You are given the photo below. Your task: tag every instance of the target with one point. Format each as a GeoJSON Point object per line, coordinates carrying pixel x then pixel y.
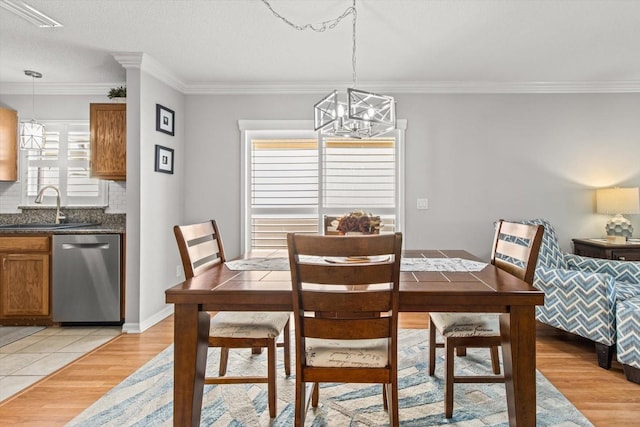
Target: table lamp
{"type": "Point", "coordinates": [618, 201]}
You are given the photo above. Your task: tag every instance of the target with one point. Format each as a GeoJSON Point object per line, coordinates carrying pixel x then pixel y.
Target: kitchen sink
{"type": "Point", "coordinates": [44, 226]}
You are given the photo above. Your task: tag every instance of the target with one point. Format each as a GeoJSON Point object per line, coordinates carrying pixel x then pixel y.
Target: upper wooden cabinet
{"type": "Point", "coordinates": [108, 141]}
{"type": "Point", "coordinates": [8, 145]}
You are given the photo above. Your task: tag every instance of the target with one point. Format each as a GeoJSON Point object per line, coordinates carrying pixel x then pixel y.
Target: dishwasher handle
{"type": "Point", "coordinates": [85, 246]}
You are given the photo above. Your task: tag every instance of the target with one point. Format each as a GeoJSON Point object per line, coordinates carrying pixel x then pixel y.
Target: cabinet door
{"type": "Point", "coordinates": [24, 285]}
{"type": "Point", "coordinates": [8, 145]}
{"type": "Point", "coordinates": [108, 123]}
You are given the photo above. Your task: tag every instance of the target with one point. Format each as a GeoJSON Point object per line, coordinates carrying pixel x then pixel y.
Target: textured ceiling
{"type": "Point", "coordinates": [399, 42]}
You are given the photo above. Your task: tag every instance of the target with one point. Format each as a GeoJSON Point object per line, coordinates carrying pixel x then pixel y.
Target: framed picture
{"type": "Point", "coordinates": [164, 120]}
{"type": "Point", "coordinates": [164, 159]}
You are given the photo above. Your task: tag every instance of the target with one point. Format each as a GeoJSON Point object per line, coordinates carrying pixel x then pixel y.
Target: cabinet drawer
{"type": "Point", "coordinates": [25, 244]}
{"type": "Point", "coordinates": [626, 255]}
{"type": "Point", "coordinates": [589, 251]}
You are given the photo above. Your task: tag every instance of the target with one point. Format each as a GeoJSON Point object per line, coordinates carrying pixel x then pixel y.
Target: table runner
{"type": "Point", "coordinates": [407, 264]}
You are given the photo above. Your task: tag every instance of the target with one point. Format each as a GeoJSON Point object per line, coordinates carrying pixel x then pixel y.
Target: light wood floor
{"type": "Point", "coordinates": [604, 397]}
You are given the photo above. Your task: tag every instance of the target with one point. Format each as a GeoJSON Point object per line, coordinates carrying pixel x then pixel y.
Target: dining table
{"type": "Point", "coordinates": [430, 281]}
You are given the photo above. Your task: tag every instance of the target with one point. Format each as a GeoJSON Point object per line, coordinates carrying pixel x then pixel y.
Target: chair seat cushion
{"type": "Point", "coordinates": [248, 324]}
{"type": "Point", "coordinates": [466, 324]}
{"type": "Point", "coordinates": [370, 353]}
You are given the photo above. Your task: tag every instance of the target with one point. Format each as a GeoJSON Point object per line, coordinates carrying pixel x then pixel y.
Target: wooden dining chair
{"type": "Point", "coordinates": [201, 248]}
{"type": "Point", "coordinates": [515, 250]}
{"type": "Point", "coordinates": [345, 309]}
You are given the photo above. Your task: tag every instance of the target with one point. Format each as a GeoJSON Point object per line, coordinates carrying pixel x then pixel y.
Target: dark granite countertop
{"type": "Point", "coordinates": [90, 229]}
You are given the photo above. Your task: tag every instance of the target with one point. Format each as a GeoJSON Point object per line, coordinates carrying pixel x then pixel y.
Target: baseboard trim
{"type": "Point", "coordinates": [138, 328]}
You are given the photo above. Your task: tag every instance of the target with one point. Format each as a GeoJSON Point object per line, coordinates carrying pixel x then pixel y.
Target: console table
{"type": "Point", "coordinates": [600, 248]}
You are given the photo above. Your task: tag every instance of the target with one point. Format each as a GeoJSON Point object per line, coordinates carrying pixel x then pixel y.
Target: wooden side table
{"type": "Point", "coordinates": [600, 248]}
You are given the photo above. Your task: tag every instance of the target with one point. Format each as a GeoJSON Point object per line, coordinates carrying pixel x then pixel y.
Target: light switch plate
{"type": "Point", "coordinates": [423, 204]}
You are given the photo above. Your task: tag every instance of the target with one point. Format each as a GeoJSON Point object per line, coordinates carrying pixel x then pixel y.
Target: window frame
{"type": "Point", "coordinates": [257, 129]}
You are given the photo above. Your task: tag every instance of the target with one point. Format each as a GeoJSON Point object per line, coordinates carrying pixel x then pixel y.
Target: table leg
{"type": "Point", "coordinates": [518, 332]}
{"type": "Point", "coordinates": [191, 332]}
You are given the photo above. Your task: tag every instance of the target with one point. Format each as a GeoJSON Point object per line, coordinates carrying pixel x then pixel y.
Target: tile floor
{"type": "Point", "coordinates": [30, 359]}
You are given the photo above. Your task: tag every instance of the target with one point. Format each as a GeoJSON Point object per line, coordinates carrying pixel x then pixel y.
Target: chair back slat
{"type": "Point", "coordinates": [344, 246]}
{"type": "Point", "coordinates": [200, 247]}
{"type": "Point", "coordinates": [348, 300]}
{"type": "Point", "coordinates": [347, 274]}
{"type": "Point", "coordinates": [516, 247]}
{"type": "Point", "coordinates": [347, 328]}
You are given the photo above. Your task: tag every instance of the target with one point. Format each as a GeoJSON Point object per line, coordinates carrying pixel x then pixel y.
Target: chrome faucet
{"type": "Point", "coordinates": [59, 216]}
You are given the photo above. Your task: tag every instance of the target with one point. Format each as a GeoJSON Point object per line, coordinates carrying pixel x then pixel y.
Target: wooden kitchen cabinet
{"type": "Point", "coordinates": [25, 280]}
{"type": "Point", "coordinates": [8, 145]}
{"type": "Point", "coordinates": [108, 125]}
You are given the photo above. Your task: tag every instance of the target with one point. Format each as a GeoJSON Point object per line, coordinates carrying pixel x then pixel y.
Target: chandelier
{"type": "Point", "coordinates": [359, 114]}
{"type": "Point", "coordinates": [32, 132]}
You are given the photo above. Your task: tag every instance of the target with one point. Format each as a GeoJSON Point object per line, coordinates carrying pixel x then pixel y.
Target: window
{"type": "Point", "coordinates": [293, 179]}
{"type": "Point", "coordinates": [64, 163]}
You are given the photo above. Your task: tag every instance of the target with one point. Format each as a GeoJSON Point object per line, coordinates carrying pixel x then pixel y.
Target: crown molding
{"type": "Point", "coordinates": [58, 88]}
{"type": "Point", "coordinates": [149, 65]}
{"type": "Point", "coordinates": [442, 87]}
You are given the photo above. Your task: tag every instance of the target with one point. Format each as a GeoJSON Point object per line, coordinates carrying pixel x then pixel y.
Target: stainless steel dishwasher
{"type": "Point", "coordinates": [86, 278]}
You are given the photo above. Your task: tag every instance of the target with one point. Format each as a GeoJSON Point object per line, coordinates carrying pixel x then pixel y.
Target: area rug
{"type": "Point", "coordinates": [9, 334]}
{"type": "Point", "coordinates": [145, 398]}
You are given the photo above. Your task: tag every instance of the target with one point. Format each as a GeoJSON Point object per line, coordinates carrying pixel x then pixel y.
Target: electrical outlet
{"type": "Point", "coordinates": [178, 270]}
{"type": "Point", "coordinates": [422, 204]}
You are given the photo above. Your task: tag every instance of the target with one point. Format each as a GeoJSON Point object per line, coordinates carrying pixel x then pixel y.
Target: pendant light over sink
{"type": "Point", "coordinates": [32, 132]}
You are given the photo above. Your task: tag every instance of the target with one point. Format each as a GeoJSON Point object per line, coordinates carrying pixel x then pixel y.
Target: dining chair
{"type": "Point", "coordinates": [201, 249]}
{"type": "Point", "coordinates": [345, 309]}
{"type": "Point", "coordinates": [515, 250]}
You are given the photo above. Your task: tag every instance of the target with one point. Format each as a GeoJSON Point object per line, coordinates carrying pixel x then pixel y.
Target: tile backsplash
{"type": "Point", "coordinates": [11, 197]}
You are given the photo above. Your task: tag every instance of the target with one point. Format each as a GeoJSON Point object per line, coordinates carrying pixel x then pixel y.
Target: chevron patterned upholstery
{"type": "Point", "coordinates": [581, 293]}
{"type": "Point", "coordinates": [628, 320]}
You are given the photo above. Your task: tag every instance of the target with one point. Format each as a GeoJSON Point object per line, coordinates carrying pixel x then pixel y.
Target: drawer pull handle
{"type": "Point", "coordinates": [85, 246]}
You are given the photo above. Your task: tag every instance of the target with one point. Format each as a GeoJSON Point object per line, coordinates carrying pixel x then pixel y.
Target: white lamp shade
{"type": "Point", "coordinates": [618, 200]}
{"type": "Point", "coordinates": [31, 135]}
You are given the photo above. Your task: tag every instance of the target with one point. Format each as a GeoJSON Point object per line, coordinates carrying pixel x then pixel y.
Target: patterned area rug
{"type": "Point", "coordinates": [145, 398]}
{"type": "Point", "coordinates": [9, 334]}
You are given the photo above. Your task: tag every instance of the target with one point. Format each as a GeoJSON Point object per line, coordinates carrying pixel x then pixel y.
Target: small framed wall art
{"type": "Point", "coordinates": [165, 120]}
{"type": "Point", "coordinates": [164, 159]}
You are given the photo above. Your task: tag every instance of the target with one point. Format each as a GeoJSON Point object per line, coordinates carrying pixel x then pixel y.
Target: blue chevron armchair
{"type": "Point", "coordinates": [628, 345]}
{"type": "Point", "coordinates": [581, 292]}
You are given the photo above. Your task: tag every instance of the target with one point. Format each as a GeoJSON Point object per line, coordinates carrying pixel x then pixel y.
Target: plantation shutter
{"type": "Point", "coordinates": [63, 162]}
{"type": "Point", "coordinates": [284, 190]}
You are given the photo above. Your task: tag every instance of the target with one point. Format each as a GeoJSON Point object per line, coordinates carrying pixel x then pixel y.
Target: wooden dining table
{"type": "Point", "coordinates": [487, 290]}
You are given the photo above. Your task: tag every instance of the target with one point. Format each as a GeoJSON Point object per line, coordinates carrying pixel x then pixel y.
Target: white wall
{"type": "Point", "coordinates": [477, 158]}
{"type": "Point", "coordinates": [154, 200]}
{"type": "Point", "coordinates": [161, 197]}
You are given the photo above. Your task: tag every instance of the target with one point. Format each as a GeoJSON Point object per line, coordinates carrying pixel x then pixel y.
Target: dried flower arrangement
{"type": "Point", "coordinates": [359, 221]}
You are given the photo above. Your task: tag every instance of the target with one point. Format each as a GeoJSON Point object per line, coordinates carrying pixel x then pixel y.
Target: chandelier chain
{"type": "Point", "coordinates": [33, 98]}
{"type": "Point", "coordinates": [326, 25]}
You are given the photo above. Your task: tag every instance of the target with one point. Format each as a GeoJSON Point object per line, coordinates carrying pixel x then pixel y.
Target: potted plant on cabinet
{"type": "Point", "coordinates": [118, 94]}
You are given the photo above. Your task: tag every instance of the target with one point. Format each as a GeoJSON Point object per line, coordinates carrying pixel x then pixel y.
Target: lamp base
{"type": "Point", "coordinates": [619, 226]}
